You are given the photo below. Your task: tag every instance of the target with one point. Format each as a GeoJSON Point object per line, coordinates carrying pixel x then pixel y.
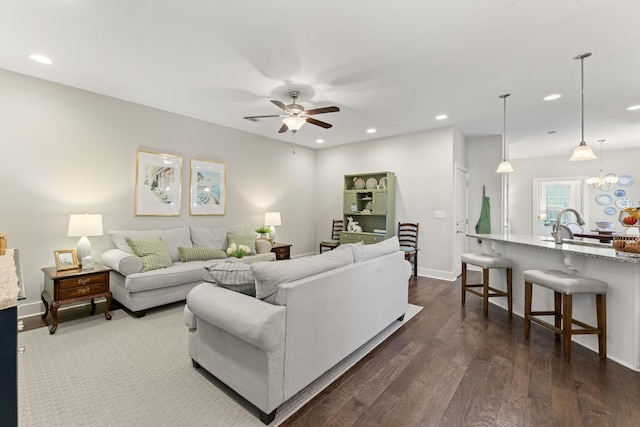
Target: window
{"type": "Point", "coordinates": [550, 196]}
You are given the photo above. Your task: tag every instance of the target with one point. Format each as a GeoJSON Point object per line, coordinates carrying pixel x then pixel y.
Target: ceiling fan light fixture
{"type": "Point", "coordinates": [294, 123]}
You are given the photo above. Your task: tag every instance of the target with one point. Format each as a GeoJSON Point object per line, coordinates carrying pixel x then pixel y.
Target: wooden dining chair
{"type": "Point", "coordinates": [334, 242]}
{"type": "Point", "coordinates": [408, 237]}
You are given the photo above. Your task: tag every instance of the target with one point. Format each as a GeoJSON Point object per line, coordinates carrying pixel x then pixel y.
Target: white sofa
{"type": "Point", "coordinates": [321, 309]}
{"type": "Point", "coordinates": [139, 290]}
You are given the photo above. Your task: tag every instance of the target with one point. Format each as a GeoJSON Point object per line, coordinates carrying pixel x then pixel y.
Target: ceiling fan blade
{"type": "Point", "coordinates": [283, 129]}
{"type": "Point", "coordinates": [254, 118]}
{"type": "Point", "coordinates": [332, 109]}
{"type": "Point", "coordinates": [280, 105]}
{"type": "Point", "coordinates": [318, 123]}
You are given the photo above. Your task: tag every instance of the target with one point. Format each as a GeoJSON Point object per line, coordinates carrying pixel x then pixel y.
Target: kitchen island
{"type": "Point", "coordinates": [598, 261]}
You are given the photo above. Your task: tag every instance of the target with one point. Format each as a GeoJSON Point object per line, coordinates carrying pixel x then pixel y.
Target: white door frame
{"type": "Point", "coordinates": [461, 216]}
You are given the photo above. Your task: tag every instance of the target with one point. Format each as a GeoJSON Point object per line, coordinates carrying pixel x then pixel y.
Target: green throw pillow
{"type": "Point", "coordinates": [200, 254]}
{"type": "Point", "coordinates": [239, 239]}
{"type": "Point", "coordinates": [235, 276]}
{"type": "Point", "coordinates": [153, 253]}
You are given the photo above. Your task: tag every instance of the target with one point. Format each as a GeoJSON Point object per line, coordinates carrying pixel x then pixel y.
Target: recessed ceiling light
{"type": "Point", "coordinates": [371, 130]}
{"type": "Point", "coordinates": [634, 107]}
{"type": "Point", "coordinates": [319, 141]}
{"type": "Point", "coordinates": [551, 132]}
{"type": "Point", "coordinates": [41, 59]}
{"type": "Point", "coordinates": [552, 97]}
{"type": "Point", "coordinates": [441, 117]}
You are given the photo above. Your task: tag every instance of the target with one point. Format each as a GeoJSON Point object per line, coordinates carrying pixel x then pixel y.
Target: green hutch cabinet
{"type": "Point", "coordinates": [369, 198]}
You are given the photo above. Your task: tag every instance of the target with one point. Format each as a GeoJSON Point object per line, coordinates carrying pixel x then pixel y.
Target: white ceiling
{"type": "Point", "coordinates": [389, 65]}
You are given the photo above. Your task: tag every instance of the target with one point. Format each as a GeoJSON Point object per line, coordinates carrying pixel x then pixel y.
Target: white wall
{"type": "Point", "coordinates": [423, 164]}
{"type": "Point", "coordinates": [70, 151]}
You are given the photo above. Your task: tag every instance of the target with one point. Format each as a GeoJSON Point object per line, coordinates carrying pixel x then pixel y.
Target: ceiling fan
{"type": "Point", "coordinates": [295, 115]}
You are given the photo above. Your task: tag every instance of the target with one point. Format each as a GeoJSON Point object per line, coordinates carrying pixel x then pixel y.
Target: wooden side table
{"type": "Point", "coordinates": [282, 250]}
{"type": "Point", "coordinates": [65, 287]}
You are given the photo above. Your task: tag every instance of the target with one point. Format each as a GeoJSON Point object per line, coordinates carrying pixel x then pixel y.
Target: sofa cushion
{"type": "Point", "coordinates": [173, 238]}
{"type": "Point", "coordinates": [200, 254]}
{"type": "Point", "coordinates": [153, 253]}
{"type": "Point", "coordinates": [240, 239]}
{"type": "Point", "coordinates": [235, 276]}
{"type": "Point", "coordinates": [269, 275]}
{"type": "Point", "coordinates": [213, 237]}
{"type": "Point", "coordinates": [365, 252]}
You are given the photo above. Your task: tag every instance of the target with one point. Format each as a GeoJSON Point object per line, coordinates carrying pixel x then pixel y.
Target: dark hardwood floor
{"type": "Point", "coordinates": [449, 366]}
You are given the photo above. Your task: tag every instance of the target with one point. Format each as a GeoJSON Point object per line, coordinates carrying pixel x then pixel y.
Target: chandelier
{"type": "Point", "coordinates": [602, 181]}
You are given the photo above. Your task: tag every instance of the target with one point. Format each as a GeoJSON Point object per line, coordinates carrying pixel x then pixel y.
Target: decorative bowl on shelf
{"type": "Point", "coordinates": [604, 225]}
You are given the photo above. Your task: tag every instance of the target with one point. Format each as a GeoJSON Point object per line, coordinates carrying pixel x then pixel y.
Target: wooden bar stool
{"type": "Point", "coordinates": [487, 261]}
{"type": "Point", "coordinates": [564, 286]}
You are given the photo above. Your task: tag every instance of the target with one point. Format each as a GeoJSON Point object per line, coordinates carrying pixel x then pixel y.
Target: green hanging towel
{"type": "Point", "coordinates": [483, 225]}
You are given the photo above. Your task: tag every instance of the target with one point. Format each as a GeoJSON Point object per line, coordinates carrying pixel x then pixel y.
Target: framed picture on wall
{"type": "Point", "coordinates": [66, 259]}
{"type": "Point", "coordinates": [157, 184]}
{"type": "Point", "coordinates": [208, 188]}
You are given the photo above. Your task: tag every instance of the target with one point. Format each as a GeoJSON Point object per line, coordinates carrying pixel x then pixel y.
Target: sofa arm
{"type": "Point", "coordinates": [123, 262]}
{"type": "Point", "coordinates": [256, 322]}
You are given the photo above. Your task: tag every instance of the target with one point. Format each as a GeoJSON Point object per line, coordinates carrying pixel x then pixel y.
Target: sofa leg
{"type": "Point", "coordinates": [267, 418]}
{"type": "Point", "coordinates": [401, 318]}
{"type": "Point", "coordinates": [140, 313]}
{"type": "Point", "coordinates": [195, 364]}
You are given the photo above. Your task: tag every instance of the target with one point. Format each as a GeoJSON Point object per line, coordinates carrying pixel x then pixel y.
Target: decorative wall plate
{"type": "Point", "coordinates": [359, 184]}
{"type": "Point", "coordinates": [620, 193]}
{"type": "Point", "coordinates": [604, 199]}
{"type": "Point", "coordinates": [610, 210]}
{"type": "Point", "coordinates": [371, 183]}
{"type": "Point", "coordinates": [623, 203]}
{"type": "Point", "coordinates": [625, 180]}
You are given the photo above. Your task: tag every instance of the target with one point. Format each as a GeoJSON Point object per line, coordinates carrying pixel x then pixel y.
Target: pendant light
{"type": "Point", "coordinates": [583, 151]}
{"type": "Point", "coordinates": [602, 181]}
{"type": "Point", "coordinates": [505, 166]}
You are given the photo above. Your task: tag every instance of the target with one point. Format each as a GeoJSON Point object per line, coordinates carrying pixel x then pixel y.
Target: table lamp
{"type": "Point", "coordinates": [84, 225]}
{"type": "Point", "coordinates": [271, 219]}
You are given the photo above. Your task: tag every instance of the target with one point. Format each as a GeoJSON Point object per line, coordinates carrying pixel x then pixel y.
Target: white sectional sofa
{"type": "Point", "coordinates": [309, 314]}
{"type": "Point", "coordinates": [139, 290]}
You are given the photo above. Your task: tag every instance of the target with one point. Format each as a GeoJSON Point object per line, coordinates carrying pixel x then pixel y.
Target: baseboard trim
{"type": "Point", "coordinates": [37, 309]}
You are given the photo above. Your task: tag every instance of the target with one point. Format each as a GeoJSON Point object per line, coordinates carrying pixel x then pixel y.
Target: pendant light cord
{"type": "Point", "coordinates": [504, 127]}
{"type": "Point", "coordinates": [581, 58]}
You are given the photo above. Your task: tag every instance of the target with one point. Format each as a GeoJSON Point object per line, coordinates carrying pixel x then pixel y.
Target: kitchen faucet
{"type": "Point", "coordinates": [557, 232]}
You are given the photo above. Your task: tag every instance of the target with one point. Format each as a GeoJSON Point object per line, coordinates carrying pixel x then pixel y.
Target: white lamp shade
{"type": "Point", "coordinates": [85, 225]}
{"type": "Point", "coordinates": [272, 218]}
{"type": "Point", "coordinates": [582, 152]}
{"type": "Point", "coordinates": [504, 167]}
{"type": "Point", "coordinates": [294, 123]}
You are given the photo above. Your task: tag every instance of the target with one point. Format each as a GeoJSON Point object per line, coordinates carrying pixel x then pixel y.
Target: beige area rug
{"type": "Point", "coordinates": [137, 372]}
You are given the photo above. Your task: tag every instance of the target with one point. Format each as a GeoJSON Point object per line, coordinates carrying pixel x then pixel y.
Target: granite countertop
{"type": "Point", "coordinates": [547, 243]}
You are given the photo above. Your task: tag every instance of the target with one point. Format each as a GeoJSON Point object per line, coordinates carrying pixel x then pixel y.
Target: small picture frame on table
{"type": "Point", "coordinates": [66, 259]}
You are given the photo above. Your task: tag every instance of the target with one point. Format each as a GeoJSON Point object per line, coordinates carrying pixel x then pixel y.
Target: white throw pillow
{"type": "Point", "coordinates": [213, 237]}
{"type": "Point", "coordinates": [172, 238]}
{"type": "Point", "coordinates": [365, 252]}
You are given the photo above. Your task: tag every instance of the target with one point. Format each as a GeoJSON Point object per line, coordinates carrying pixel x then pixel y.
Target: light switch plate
{"type": "Point", "coordinates": [439, 214]}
